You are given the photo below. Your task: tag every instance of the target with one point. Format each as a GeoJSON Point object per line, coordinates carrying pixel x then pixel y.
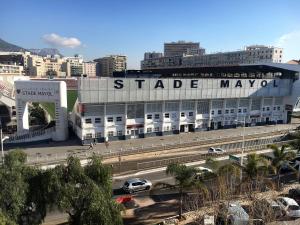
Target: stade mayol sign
{"type": "Point", "coordinates": [119, 84]}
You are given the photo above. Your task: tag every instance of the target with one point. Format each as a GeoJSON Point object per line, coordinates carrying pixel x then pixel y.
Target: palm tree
{"type": "Point", "coordinates": [281, 158]}
{"type": "Point", "coordinates": [256, 166]}
{"type": "Point", "coordinates": [184, 179]}
{"type": "Point", "coordinates": [296, 144]}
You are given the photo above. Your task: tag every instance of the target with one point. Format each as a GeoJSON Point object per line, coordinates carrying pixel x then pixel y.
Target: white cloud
{"type": "Point", "coordinates": [59, 41]}
{"type": "Point", "coordinates": [290, 43]}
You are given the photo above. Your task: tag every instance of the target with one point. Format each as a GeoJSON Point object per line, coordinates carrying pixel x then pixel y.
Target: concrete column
{"type": "Point", "coordinates": [272, 108]}
{"type": "Point", "coordinates": [145, 117]}
{"type": "Point", "coordinates": [249, 110]}
{"type": "Point", "coordinates": [125, 120]}
{"type": "Point", "coordinates": [261, 106]}
{"type": "Point", "coordinates": [209, 114]}
{"type": "Point", "coordinates": [195, 114]}
{"type": "Point", "coordinates": [179, 115]}
{"type": "Point", "coordinates": [163, 116]}
{"type": "Point", "coordinates": [105, 135]}
{"type": "Point", "coordinates": [22, 116]}
{"type": "Point", "coordinates": [223, 112]}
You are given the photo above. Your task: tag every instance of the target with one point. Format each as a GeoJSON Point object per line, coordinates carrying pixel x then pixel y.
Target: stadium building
{"type": "Point", "coordinates": [138, 104]}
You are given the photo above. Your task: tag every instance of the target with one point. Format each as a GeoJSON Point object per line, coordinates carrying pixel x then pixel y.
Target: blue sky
{"type": "Point", "coordinates": [133, 27]}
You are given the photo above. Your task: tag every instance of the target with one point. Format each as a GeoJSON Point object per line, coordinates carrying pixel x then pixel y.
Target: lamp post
{"type": "Point", "coordinates": [2, 139]}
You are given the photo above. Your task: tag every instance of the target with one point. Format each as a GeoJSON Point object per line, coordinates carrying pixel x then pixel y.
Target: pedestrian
{"type": "Point", "coordinates": [91, 146]}
{"type": "Point", "coordinates": [95, 141]}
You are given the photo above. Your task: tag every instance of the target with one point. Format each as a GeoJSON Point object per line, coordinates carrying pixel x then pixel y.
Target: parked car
{"type": "Point", "coordinates": [268, 210]}
{"type": "Point", "coordinates": [136, 184]}
{"type": "Point", "coordinates": [213, 150]}
{"type": "Point", "coordinates": [290, 206]}
{"type": "Point", "coordinates": [232, 213]}
{"type": "Point", "coordinates": [204, 169]}
{"type": "Point", "coordinates": [294, 193]}
{"type": "Point", "coordinates": [204, 174]}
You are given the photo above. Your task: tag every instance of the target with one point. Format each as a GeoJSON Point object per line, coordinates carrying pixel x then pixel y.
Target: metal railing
{"type": "Point", "coordinates": [32, 134]}
{"type": "Point", "coordinates": [231, 149]}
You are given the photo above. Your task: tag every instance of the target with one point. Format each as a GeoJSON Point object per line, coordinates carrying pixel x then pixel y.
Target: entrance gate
{"type": "Point", "coordinates": [42, 91]}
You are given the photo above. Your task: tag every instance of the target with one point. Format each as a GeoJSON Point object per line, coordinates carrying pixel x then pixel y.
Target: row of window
{"type": "Point", "coordinates": [274, 108]}
{"type": "Point", "coordinates": [98, 120]}
{"type": "Point", "coordinates": [167, 115]}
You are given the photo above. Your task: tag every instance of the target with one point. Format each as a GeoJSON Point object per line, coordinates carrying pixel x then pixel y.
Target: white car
{"type": "Point", "coordinates": [290, 206]}
{"type": "Point", "coordinates": [136, 184]}
{"type": "Point", "coordinates": [212, 150]}
{"type": "Point", "coordinates": [204, 169]}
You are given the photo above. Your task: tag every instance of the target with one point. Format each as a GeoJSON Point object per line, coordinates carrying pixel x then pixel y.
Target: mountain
{"type": "Point", "coordinates": [45, 51]}
{"type": "Point", "coordinates": [8, 47]}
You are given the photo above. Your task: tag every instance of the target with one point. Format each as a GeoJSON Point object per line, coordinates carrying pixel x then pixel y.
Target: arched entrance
{"type": "Point", "coordinates": [42, 91]}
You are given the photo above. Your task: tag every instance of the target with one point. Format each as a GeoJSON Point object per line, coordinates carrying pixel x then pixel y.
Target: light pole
{"type": "Point", "coordinates": [2, 139]}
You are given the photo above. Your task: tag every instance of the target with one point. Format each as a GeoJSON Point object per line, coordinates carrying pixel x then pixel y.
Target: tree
{"type": "Point", "coordinates": [86, 201]}
{"type": "Point", "coordinates": [296, 144]}
{"type": "Point", "coordinates": [22, 199]}
{"type": "Point", "coordinates": [281, 158]}
{"type": "Point", "coordinates": [255, 166]}
{"type": "Point", "coordinates": [184, 179]}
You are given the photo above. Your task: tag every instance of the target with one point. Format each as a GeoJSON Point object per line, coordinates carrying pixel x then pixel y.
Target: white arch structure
{"type": "Point", "coordinates": [42, 91]}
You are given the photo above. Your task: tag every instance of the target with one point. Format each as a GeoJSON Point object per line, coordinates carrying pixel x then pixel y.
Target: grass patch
{"type": "Point", "coordinates": [71, 98]}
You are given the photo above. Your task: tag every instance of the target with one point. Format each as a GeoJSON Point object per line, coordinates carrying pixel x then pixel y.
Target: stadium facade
{"type": "Point", "coordinates": [138, 104]}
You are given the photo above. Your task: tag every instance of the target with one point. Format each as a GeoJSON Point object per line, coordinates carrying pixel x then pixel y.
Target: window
{"type": "Point", "coordinates": [119, 119]}
{"type": "Point", "coordinates": [278, 107]}
{"type": "Point", "coordinates": [231, 110]}
{"type": "Point", "coordinates": [263, 108]}
{"type": "Point", "coordinates": [212, 112]}
{"type": "Point", "coordinates": [98, 135]}
{"type": "Point", "coordinates": [167, 128]}
{"type": "Point", "coordinates": [274, 108]}
{"type": "Point", "coordinates": [110, 119]}
{"type": "Point", "coordinates": [219, 111]}
{"type": "Point", "coordinates": [167, 115]}
{"type": "Point", "coordinates": [88, 120]}
{"type": "Point", "coordinates": [226, 111]}
{"type": "Point", "coordinates": [156, 116]}
{"type": "Point", "coordinates": [268, 108]}
{"type": "Point", "coordinates": [244, 110]}
{"type": "Point", "coordinates": [156, 129]}
{"type": "Point", "coordinates": [110, 133]}
{"type": "Point", "coordinates": [119, 133]}
{"type": "Point", "coordinates": [240, 110]}
{"type": "Point", "coordinates": [97, 120]}
{"type": "Point", "coordinates": [182, 114]}
{"type": "Point", "coordinates": [149, 130]}
{"type": "Point", "coordinates": [88, 136]}
{"type": "Point", "coordinates": [149, 116]}
{"type": "Point", "coordinates": [191, 114]}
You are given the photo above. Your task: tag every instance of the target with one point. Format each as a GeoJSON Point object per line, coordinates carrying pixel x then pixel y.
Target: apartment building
{"type": "Point", "coordinates": [73, 66]}
{"type": "Point", "coordinates": [250, 55]}
{"type": "Point", "coordinates": [109, 64]}
{"type": "Point", "coordinates": [90, 69]}
{"type": "Point", "coordinates": [181, 48]}
{"type": "Point", "coordinates": [7, 69]}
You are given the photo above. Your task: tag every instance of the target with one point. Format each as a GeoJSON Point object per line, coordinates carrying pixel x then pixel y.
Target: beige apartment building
{"type": "Point", "coordinates": [250, 55]}
{"type": "Point", "coordinates": [90, 69]}
{"type": "Point", "coordinates": [109, 64]}
{"type": "Point", "coordinates": [15, 70]}
{"type": "Point", "coordinates": [73, 66]}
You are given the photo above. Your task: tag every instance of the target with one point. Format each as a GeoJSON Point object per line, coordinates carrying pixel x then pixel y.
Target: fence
{"type": "Point", "coordinates": [44, 133]}
{"type": "Point", "coordinates": [231, 149]}
{"type": "Point", "coordinates": [83, 154]}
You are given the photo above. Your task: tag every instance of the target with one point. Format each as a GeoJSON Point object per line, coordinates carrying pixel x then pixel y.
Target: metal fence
{"type": "Point", "coordinates": [231, 149]}
{"type": "Point", "coordinates": [30, 135]}
{"type": "Point", "coordinates": [83, 154]}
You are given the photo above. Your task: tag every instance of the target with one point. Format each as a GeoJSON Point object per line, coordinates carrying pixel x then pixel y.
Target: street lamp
{"type": "Point", "coordinates": [2, 139]}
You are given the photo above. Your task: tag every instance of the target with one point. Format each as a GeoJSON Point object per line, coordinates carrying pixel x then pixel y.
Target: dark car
{"type": "Point", "coordinates": [294, 193]}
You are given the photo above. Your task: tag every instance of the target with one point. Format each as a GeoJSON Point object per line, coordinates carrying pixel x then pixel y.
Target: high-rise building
{"type": "Point", "coordinates": [90, 69]}
{"type": "Point", "coordinates": [111, 63]}
{"type": "Point", "coordinates": [181, 48]}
